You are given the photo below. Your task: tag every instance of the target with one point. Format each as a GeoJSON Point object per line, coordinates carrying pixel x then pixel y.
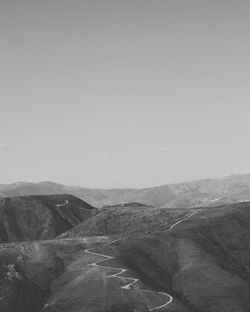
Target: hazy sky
{"type": "Point", "coordinates": [124, 93]}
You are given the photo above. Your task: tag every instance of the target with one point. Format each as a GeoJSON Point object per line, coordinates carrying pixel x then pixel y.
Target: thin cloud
{"type": "Point", "coordinates": [9, 148]}
{"type": "Point", "coordinates": [105, 154]}
{"type": "Point", "coordinates": [162, 150]}
{"type": "Point", "coordinates": [6, 148]}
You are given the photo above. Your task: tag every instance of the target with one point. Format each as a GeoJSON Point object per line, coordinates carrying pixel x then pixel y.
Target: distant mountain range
{"type": "Point", "coordinates": [207, 192]}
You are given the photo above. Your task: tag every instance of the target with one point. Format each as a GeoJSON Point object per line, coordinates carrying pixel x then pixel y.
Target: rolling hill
{"type": "Point", "coordinates": [40, 217]}
{"type": "Point", "coordinates": [207, 192]}
{"type": "Point", "coordinates": [135, 258]}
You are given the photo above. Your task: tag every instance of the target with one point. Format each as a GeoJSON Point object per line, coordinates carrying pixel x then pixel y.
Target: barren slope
{"type": "Point", "coordinates": [201, 261]}
{"type": "Point", "coordinates": [40, 217]}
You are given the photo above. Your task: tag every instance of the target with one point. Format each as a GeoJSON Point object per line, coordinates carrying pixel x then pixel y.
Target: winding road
{"type": "Point", "coordinates": [63, 204]}
{"type": "Point", "coordinates": [184, 219]}
{"type": "Point", "coordinates": [132, 281]}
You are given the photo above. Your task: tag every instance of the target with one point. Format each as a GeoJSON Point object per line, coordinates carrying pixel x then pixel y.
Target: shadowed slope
{"type": "Point", "coordinates": [203, 262]}
{"type": "Point", "coordinates": [198, 257]}
{"type": "Point", "coordinates": [40, 217]}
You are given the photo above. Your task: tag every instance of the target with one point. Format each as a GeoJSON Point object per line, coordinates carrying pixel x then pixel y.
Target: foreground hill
{"type": "Point", "coordinates": [40, 217]}
{"type": "Point", "coordinates": [207, 192]}
{"type": "Point", "coordinates": [177, 260]}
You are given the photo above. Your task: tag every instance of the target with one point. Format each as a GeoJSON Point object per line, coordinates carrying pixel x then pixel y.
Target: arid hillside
{"type": "Point", "coordinates": [40, 217]}
{"type": "Point", "coordinates": [136, 259]}
{"type": "Point", "coordinates": [127, 219]}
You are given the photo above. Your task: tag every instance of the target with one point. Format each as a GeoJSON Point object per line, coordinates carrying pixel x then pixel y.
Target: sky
{"type": "Point", "coordinates": [135, 93]}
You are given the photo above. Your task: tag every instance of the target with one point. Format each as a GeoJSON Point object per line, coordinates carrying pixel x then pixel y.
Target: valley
{"type": "Point", "coordinates": [133, 258]}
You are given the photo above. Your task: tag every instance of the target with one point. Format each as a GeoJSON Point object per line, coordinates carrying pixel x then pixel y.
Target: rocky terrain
{"type": "Point", "coordinates": [127, 219]}
{"type": "Point", "coordinates": [209, 192]}
{"type": "Point", "coordinates": [40, 217]}
{"type": "Point", "coordinates": [134, 258]}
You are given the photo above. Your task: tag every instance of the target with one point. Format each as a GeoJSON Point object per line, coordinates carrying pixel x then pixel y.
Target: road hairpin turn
{"type": "Point", "coordinates": [132, 281]}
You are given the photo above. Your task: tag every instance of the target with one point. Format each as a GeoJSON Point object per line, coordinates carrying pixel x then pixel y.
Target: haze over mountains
{"type": "Point", "coordinates": [205, 192]}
